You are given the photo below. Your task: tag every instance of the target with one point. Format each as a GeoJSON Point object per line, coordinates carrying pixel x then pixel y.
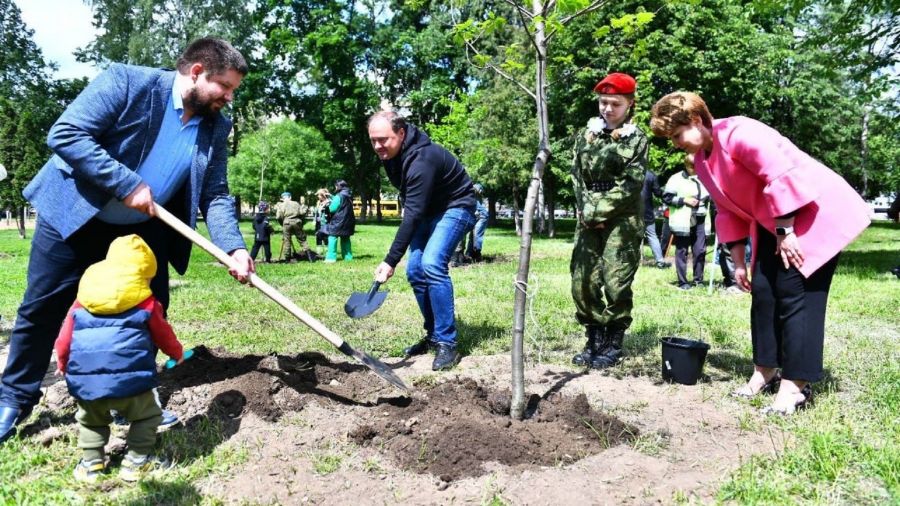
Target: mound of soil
{"type": "Point", "coordinates": [450, 430]}
{"type": "Point", "coordinates": [227, 386]}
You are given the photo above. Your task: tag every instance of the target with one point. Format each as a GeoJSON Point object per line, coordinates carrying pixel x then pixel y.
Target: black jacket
{"type": "Point", "coordinates": [343, 222]}
{"type": "Point", "coordinates": [431, 180]}
{"type": "Point", "coordinates": [648, 191]}
{"type": "Point", "coordinates": [262, 231]}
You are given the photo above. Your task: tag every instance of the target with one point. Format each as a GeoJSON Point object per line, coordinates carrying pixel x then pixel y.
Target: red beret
{"type": "Point", "coordinates": [616, 84]}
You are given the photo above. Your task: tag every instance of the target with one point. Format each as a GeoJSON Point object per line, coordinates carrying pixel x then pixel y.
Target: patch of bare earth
{"type": "Point", "coordinates": [324, 432]}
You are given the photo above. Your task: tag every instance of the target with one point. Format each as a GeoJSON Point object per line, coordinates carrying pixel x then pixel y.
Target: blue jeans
{"type": "Point", "coordinates": [55, 267]}
{"type": "Point", "coordinates": [428, 270]}
{"type": "Point", "coordinates": [480, 227]}
{"type": "Point", "coordinates": [653, 241]}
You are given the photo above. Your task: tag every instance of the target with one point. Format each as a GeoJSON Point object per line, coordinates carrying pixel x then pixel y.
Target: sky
{"type": "Point", "coordinates": [60, 26]}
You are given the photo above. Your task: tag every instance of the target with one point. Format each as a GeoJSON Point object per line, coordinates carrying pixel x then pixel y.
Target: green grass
{"type": "Point", "coordinates": [843, 451]}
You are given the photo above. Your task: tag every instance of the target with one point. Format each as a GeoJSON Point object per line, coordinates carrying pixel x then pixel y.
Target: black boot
{"type": "Point", "coordinates": [446, 357]}
{"type": "Point", "coordinates": [310, 256]}
{"type": "Point", "coordinates": [611, 351]}
{"type": "Point", "coordinates": [594, 338]}
{"type": "Point", "coordinates": [421, 347]}
{"type": "Point", "coordinates": [476, 255]}
{"type": "Point", "coordinates": [10, 418]}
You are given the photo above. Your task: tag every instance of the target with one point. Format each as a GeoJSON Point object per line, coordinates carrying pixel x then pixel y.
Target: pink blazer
{"type": "Point", "coordinates": [755, 174]}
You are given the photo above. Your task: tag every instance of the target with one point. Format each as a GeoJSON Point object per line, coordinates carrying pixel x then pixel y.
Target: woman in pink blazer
{"type": "Point", "coordinates": [800, 215]}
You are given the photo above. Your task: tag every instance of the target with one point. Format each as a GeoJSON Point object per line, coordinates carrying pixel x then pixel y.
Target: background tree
{"type": "Point", "coordinates": [30, 101]}
{"type": "Point", "coordinates": [283, 156]}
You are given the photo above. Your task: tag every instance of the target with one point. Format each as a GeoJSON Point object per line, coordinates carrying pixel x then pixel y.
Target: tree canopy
{"type": "Point", "coordinates": [30, 101]}
{"type": "Point", "coordinates": [823, 72]}
{"type": "Point", "coordinates": [283, 156]}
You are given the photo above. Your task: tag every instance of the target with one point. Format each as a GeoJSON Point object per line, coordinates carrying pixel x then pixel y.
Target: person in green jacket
{"type": "Point", "coordinates": [608, 173]}
{"type": "Point", "coordinates": [687, 199]}
{"type": "Point", "coordinates": [341, 222]}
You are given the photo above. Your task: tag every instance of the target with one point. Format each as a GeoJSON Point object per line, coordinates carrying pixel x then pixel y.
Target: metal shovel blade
{"type": "Point", "coordinates": [363, 304]}
{"type": "Point", "coordinates": [377, 366]}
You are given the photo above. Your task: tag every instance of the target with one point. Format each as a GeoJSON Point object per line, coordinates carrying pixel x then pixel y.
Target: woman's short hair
{"type": "Point", "coordinates": [323, 193]}
{"type": "Point", "coordinates": [678, 109]}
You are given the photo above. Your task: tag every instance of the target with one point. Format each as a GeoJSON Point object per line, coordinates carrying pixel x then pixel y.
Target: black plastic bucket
{"type": "Point", "coordinates": [682, 360]}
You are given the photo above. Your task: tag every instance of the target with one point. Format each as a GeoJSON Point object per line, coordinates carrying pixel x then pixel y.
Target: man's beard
{"type": "Point", "coordinates": [199, 106]}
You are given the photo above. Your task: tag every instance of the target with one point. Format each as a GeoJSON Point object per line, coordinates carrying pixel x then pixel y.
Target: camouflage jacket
{"type": "Point", "coordinates": [608, 172]}
{"type": "Point", "coordinates": [290, 211]}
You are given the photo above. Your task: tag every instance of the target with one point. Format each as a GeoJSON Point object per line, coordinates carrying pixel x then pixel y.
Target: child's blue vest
{"type": "Point", "coordinates": [112, 356]}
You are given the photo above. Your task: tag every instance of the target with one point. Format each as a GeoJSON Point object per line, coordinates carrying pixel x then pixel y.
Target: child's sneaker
{"type": "Point", "coordinates": [89, 470]}
{"type": "Point", "coordinates": [133, 469]}
{"type": "Point", "coordinates": [169, 420]}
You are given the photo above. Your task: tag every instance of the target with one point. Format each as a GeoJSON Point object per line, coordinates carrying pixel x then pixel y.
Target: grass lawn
{"type": "Point", "coordinates": [845, 450]}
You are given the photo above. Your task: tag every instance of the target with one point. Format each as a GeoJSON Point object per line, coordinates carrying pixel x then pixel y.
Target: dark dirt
{"type": "Point", "coordinates": [223, 385]}
{"type": "Point", "coordinates": [448, 430]}
{"type": "Point", "coordinates": [451, 429]}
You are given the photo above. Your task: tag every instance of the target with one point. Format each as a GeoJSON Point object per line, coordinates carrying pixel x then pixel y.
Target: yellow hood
{"type": "Point", "coordinates": [120, 282]}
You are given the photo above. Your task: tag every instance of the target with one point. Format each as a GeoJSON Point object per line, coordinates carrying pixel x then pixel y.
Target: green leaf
{"type": "Point", "coordinates": [570, 6]}
{"type": "Point", "coordinates": [512, 66]}
{"type": "Point", "coordinates": [601, 32]}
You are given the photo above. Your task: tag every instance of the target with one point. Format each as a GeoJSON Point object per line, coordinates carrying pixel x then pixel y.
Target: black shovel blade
{"type": "Point", "coordinates": [377, 366]}
{"type": "Point", "coordinates": [363, 304]}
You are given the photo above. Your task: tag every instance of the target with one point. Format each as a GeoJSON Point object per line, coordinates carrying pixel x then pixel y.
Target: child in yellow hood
{"type": "Point", "coordinates": [107, 350]}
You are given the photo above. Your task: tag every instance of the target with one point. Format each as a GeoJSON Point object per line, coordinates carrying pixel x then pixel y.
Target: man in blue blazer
{"type": "Point", "coordinates": [135, 135]}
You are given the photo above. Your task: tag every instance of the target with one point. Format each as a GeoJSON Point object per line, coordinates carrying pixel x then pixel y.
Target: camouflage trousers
{"type": "Point", "coordinates": [289, 231]}
{"type": "Point", "coordinates": [604, 262]}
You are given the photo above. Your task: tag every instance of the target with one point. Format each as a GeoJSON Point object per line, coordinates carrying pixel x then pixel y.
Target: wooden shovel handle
{"type": "Point", "coordinates": [270, 291]}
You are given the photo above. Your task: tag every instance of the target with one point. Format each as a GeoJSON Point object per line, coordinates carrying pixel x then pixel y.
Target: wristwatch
{"type": "Point", "coordinates": [784, 230]}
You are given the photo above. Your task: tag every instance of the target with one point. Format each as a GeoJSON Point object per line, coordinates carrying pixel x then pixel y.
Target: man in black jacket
{"type": "Point", "coordinates": [438, 208]}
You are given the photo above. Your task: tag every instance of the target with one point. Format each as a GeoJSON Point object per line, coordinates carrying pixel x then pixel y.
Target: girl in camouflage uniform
{"type": "Point", "coordinates": [608, 171]}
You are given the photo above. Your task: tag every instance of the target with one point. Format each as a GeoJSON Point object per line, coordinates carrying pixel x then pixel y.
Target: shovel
{"type": "Point", "coordinates": [363, 304]}
{"type": "Point", "coordinates": [374, 364]}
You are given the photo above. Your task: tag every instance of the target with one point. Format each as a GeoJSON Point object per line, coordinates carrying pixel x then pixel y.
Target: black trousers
{"type": "Point", "coordinates": [726, 264]}
{"type": "Point", "coordinates": [788, 313]}
{"type": "Point", "coordinates": [697, 242]}
{"type": "Point", "coordinates": [267, 250]}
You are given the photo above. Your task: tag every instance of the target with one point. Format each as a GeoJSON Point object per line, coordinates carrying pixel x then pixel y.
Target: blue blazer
{"type": "Point", "coordinates": [101, 139]}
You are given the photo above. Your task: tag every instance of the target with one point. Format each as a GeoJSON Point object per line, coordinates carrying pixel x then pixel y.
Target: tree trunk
{"type": "Point", "coordinates": [20, 221]}
{"type": "Point", "coordinates": [864, 151]}
{"type": "Point", "coordinates": [516, 210]}
{"type": "Point", "coordinates": [363, 206]}
{"type": "Point", "coordinates": [262, 172]}
{"type": "Point", "coordinates": [378, 216]}
{"type": "Point", "coordinates": [517, 404]}
{"type": "Point", "coordinates": [551, 214]}
{"type": "Point", "coordinates": [492, 210]}
{"type": "Point", "coordinates": [541, 212]}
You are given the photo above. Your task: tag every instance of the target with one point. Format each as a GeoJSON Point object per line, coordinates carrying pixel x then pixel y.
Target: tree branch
{"type": "Point", "coordinates": [522, 11]}
{"type": "Point", "coordinates": [548, 7]}
{"type": "Point", "coordinates": [596, 4]}
{"type": "Point", "coordinates": [498, 70]}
